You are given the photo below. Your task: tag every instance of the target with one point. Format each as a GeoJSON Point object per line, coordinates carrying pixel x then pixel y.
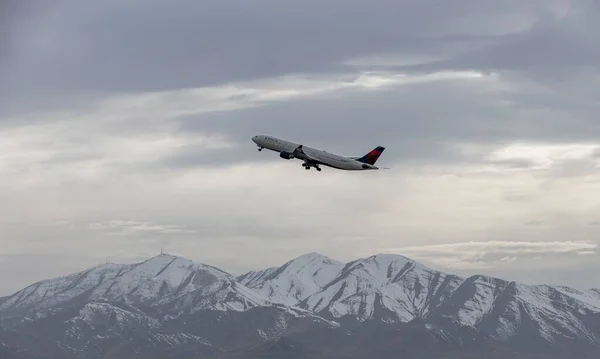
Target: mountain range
{"type": "Point", "coordinates": [381, 306]}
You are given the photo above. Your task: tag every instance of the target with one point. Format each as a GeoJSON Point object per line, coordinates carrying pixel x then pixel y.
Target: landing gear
{"type": "Point", "coordinates": [307, 167]}
{"type": "Point", "coordinates": [260, 148]}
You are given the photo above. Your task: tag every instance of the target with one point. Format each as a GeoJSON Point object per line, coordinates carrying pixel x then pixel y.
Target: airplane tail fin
{"type": "Point", "coordinates": [372, 156]}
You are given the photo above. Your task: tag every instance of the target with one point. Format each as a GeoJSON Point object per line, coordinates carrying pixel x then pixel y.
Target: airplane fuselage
{"type": "Point", "coordinates": [311, 156]}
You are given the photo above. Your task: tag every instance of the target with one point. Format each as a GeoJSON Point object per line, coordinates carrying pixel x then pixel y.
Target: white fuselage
{"type": "Point", "coordinates": [312, 154]}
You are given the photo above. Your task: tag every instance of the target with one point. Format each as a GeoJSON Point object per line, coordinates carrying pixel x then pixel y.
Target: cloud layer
{"type": "Point", "coordinates": [479, 255]}
{"type": "Point", "coordinates": [126, 128]}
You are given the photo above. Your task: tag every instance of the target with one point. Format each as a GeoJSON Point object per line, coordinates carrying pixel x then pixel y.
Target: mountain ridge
{"type": "Point", "coordinates": [170, 304]}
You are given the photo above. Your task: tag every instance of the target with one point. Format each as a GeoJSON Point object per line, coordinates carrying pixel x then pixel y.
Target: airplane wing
{"type": "Point", "coordinates": [299, 152]}
{"type": "Point", "coordinates": [308, 158]}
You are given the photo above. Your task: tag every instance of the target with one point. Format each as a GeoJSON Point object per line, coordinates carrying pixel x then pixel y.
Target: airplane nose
{"type": "Point", "coordinates": [254, 139]}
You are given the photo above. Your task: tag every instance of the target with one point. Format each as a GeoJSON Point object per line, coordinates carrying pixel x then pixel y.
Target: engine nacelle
{"type": "Point", "coordinates": [286, 155]}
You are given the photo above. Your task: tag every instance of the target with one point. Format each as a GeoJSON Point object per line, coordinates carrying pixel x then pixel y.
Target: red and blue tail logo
{"type": "Point", "coordinates": [372, 156]}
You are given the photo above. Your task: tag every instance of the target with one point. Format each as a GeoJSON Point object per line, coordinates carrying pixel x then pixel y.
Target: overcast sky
{"type": "Point", "coordinates": [125, 126]}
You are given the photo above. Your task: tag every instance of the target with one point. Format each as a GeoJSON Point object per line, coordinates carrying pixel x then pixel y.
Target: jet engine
{"type": "Point", "coordinates": [286, 155]}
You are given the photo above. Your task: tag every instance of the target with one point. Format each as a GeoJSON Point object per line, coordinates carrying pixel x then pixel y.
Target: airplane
{"type": "Point", "coordinates": [313, 157]}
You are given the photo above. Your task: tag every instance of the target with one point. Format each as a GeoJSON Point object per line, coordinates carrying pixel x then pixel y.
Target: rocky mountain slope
{"type": "Point", "coordinates": [312, 306]}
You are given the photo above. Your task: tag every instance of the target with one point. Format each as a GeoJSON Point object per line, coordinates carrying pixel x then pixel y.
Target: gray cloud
{"type": "Point", "coordinates": [120, 227]}
{"type": "Point", "coordinates": [138, 119]}
{"type": "Point", "coordinates": [114, 46]}
{"type": "Point", "coordinates": [534, 223]}
{"type": "Point", "coordinates": [420, 122]}
{"type": "Point", "coordinates": [554, 41]}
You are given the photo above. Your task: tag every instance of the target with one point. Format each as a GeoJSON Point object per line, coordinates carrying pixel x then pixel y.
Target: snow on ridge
{"type": "Point", "coordinates": [59, 289]}
{"type": "Point", "coordinates": [95, 314]}
{"type": "Point", "coordinates": [545, 295]}
{"type": "Point", "coordinates": [383, 285]}
{"type": "Point", "coordinates": [147, 280]}
{"type": "Point", "coordinates": [234, 296]}
{"type": "Point", "coordinates": [508, 321]}
{"type": "Point", "coordinates": [295, 280]}
{"type": "Point", "coordinates": [387, 287]}
{"type": "Point", "coordinates": [590, 298]}
{"type": "Point", "coordinates": [254, 278]}
{"type": "Point", "coordinates": [502, 306]}
{"type": "Point", "coordinates": [538, 306]}
{"type": "Point", "coordinates": [154, 278]}
{"type": "Point", "coordinates": [381, 266]}
{"type": "Point", "coordinates": [551, 308]}
{"type": "Point", "coordinates": [482, 301]}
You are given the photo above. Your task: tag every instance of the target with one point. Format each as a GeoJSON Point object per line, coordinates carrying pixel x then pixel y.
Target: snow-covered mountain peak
{"type": "Point", "coordinates": [313, 265]}
{"type": "Point", "coordinates": [382, 268]}
{"type": "Point", "coordinates": [172, 306]}
{"type": "Point", "coordinates": [61, 289]}
{"type": "Point", "coordinates": [295, 280]}
{"type": "Point", "coordinates": [147, 281]}
{"type": "Point", "coordinates": [163, 261]}
{"type": "Point", "coordinates": [386, 286]}
{"type": "Point", "coordinates": [167, 291]}
{"type": "Point", "coordinates": [312, 257]}
{"type": "Point", "coordinates": [158, 277]}
{"type": "Point", "coordinates": [388, 257]}
{"type": "Point", "coordinates": [175, 265]}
